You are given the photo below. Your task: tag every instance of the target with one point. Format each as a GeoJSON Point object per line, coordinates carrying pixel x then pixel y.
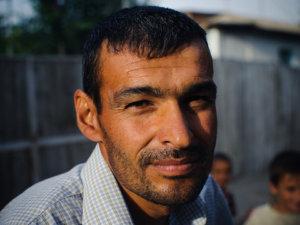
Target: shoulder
{"type": "Point", "coordinates": [262, 209]}
{"type": "Point", "coordinates": [53, 196]}
{"type": "Point", "coordinates": [266, 215]}
{"type": "Point", "coordinates": [258, 214]}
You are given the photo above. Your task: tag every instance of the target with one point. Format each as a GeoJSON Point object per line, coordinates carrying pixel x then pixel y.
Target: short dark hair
{"type": "Point", "coordinates": [147, 31]}
{"type": "Point", "coordinates": [285, 162]}
{"type": "Point", "coordinates": [222, 157]}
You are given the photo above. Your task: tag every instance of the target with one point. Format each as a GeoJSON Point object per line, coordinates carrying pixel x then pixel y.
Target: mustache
{"type": "Point", "coordinates": [196, 151]}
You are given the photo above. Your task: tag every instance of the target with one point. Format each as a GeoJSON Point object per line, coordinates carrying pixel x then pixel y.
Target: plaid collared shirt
{"type": "Point", "coordinates": [89, 194]}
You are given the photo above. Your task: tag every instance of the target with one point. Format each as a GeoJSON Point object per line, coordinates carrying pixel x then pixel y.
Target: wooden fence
{"type": "Point", "coordinates": [258, 111]}
{"type": "Point", "coordinates": [258, 106]}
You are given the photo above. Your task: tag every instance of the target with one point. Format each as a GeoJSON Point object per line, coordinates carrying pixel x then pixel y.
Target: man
{"type": "Point", "coordinates": [149, 103]}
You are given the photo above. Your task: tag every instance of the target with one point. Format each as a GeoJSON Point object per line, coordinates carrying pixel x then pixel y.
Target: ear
{"type": "Point", "coordinates": [87, 116]}
{"type": "Point", "coordinates": [273, 188]}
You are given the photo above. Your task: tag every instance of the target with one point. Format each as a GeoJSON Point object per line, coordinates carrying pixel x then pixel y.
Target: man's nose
{"type": "Point", "coordinates": [175, 130]}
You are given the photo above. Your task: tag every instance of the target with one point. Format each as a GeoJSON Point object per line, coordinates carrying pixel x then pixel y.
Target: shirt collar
{"type": "Point", "coordinates": [190, 213]}
{"type": "Point", "coordinates": [103, 202]}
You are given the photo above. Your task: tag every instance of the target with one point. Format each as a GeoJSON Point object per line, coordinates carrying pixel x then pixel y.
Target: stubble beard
{"type": "Point", "coordinates": [135, 179]}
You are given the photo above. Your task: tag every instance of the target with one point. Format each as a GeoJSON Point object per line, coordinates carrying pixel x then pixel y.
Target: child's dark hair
{"type": "Point", "coordinates": [222, 156]}
{"type": "Point", "coordinates": [285, 162]}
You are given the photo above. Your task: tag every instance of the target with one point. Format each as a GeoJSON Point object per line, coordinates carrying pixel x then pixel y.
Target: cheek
{"type": "Point", "coordinates": [211, 120]}
{"type": "Point", "coordinates": [132, 134]}
{"type": "Point", "coordinates": [208, 125]}
{"type": "Point", "coordinates": [294, 196]}
{"type": "Point", "coordinates": [286, 196]}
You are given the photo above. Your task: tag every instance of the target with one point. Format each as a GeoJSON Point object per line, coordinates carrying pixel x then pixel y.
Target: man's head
{"type": "Point", "coordinates": [284, 177]}
{"type": "Point", "coordinates": [222, 169]}
{"type": "Point", "coordinates": [149, 32]}
{"type": "Point", "coordinates": [151, 70]}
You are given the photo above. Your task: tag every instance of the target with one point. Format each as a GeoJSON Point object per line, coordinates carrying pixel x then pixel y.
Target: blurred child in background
{"type": "Point", "coordinates": [284, 184]}
{"type": "Point", "coordinates": [221, 172]}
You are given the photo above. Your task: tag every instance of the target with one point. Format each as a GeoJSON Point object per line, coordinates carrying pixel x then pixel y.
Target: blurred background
{"type": "Point", "coordinates": [256, 50]}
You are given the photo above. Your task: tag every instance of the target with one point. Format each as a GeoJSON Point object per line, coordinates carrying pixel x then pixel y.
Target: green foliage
{"type": "Point", "coordinates": [59, 27]}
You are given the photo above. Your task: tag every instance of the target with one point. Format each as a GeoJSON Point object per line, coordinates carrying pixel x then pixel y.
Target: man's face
{"type": "Point", "coordinates": [158, 122]}
{"type": "Point", "coordinates": [221, 171]}
{"type": "Point", "coordinates": [287, 193]}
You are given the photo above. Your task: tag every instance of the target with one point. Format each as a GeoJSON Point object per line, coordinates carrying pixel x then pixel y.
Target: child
{"type": "Point", "coordinates": [221, 172]}
{"type": "Point", "coordinates": [284, 184]}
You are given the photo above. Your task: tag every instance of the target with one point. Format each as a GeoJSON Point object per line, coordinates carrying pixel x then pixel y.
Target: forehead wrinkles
{"type": "Point", "coordinates": [184, 59]}
{"type": "Point", "coordinates": [195, 60]}
{"type": "Point", "coordinates": [134, 67]}
{"type": "Point", "coordinates": [195, 66]}
{"type": "Point", "coordinates": [149, 71]}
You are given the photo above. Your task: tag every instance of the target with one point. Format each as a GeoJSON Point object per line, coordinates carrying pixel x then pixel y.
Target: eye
{"type": "Point", "coordinates": [291, 188]}
{"type": "Point", "coordinates": [139, 104]}
{"type": "Point", "coordinates": [200, 102]}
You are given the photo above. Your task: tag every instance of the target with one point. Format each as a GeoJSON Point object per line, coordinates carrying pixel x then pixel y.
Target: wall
{"type": "Point", "coordinates": [258, 106]}
{"type": "Point", "coordinates": [251, 46]}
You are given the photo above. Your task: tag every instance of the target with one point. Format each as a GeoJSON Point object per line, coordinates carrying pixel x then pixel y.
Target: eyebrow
{"type": "Point", "coordinates": [157, 92]}
{"type": "Point", "coordinates": [144, 90]}
{"type": "Point", "coordinates": [203, 87]}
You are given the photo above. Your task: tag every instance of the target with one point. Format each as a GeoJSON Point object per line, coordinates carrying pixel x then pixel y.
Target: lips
{"type": "Point", "coordinates": [175, 167]}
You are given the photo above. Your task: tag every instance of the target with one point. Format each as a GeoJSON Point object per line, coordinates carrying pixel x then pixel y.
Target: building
{"type": "Point", "coordinates": [251, 40]}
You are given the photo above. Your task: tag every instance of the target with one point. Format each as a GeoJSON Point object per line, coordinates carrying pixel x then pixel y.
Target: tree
{"type": "Point", "coordinates": [60, 26]}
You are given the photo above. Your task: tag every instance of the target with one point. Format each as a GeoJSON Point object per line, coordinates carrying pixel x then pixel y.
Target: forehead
{"type": "Point", "coordinates": [221, 163]}
{"type": "Point", "coordinates": [288, 178]}
{"type": "Point", "coordinates": [191, 62]}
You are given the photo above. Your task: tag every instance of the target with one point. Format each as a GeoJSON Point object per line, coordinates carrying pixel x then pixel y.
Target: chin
{"type": "Point", "coordinates": [295, 210]}
{"type": "Point", "coordinates": [178, 191]}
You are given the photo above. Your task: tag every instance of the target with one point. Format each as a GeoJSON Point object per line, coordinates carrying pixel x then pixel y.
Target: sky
{"type": "Point", "coordinates": [15, 10]}
{"type": "Point", "coordinates": [282, 11]}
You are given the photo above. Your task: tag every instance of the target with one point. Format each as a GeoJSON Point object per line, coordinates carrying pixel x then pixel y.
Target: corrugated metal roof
{"type": "Point", "coordinates": [209, 21]}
